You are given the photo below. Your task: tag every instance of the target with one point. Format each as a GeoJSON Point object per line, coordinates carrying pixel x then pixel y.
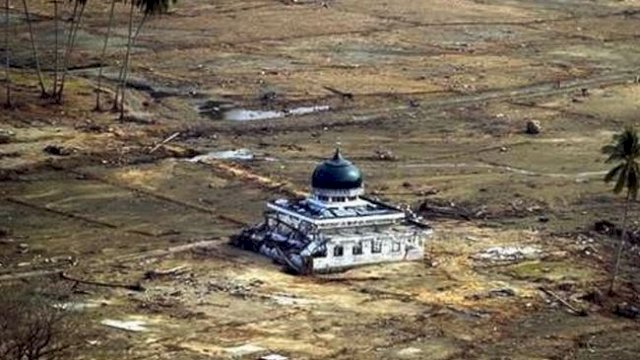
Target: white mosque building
{"type": "Point", "coordinates": [336, 227]}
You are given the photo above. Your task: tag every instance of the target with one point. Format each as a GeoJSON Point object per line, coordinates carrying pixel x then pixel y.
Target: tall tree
{"type": "Point", "coordinates": [7, 56]}
{"type": "Point", "coordinates": [56, 48]}
{"type": "Point", "coordinates": [34, 49]}
{"type": "Point", "coordinates": [148, 8]}
{"type": "Point", "coordinates": [624, 150]}
{"type": "Point", "coordinates": [104, 53]}
{"type": "Point", "coordinates": [74, 26]}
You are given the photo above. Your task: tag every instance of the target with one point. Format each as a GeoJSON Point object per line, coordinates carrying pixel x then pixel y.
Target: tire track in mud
{"type": "Point", "coordinates": [537, 90]}
{"type": "Point", "coordinates": [525, 23]}
{"type": "Point", "coordinates": [478, 165]}
{"type": "Point", "coordinates": [163, 198]}
{"type": "Point", "coordinates": [515, 170]}
{"type": "Point", "coordinates": [74, 216]}
{"type": "Point", "coordinates": [353, 116]}
{"type": "Point", "coordinates": [399, 23]}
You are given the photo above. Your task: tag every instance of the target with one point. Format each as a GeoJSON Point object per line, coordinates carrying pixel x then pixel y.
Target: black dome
{"type": "Point", "coordinates": [336, 174]}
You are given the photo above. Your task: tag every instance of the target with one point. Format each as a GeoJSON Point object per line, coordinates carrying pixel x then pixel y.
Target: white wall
{"type": "Point", "coordinates": [331, 262]}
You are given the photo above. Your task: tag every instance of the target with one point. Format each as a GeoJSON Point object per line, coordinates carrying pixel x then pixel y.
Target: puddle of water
{"type": "Point", "coordinates": [223, 111]}
{"type": "Point", "coordinates": [80, 306]}
{"type": "Point", "coordinates": [238, 154]}
{"type": "Point", "coordinates": [131, 325]}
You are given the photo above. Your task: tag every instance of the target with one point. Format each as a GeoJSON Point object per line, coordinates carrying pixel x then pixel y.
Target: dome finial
{"type": "Point", "coordinates": [337, 155]}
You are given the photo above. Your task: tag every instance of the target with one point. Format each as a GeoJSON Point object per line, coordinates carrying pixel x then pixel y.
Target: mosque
{"type": "Point", "coordinates": [336, 227]}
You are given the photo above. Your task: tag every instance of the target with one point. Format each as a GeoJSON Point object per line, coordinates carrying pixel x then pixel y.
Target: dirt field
{"type": "Point", "coordinates": [444, 86]}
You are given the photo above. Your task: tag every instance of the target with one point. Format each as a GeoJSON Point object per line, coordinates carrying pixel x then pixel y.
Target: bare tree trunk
{"type": "Point", "coordinates": [104, 53]}
{"type": "Point", "coordinates": [126, 65]}
{"type": "Point", "coordinates": [119, 89]}
{"type": "Point", "coordinates": [616, 264]}
{"type": "Point", "coordinates": [7, 59]}
{"type": "Point", "coordinates": [56, 45]}
{"type": "Point", "coordinates": [75, 25]}
{"type": "Point", "coordinates": [34, 49]}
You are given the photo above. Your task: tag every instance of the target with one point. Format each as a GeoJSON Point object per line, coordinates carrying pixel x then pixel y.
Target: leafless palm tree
{"type": "Point", "coordinates": [104, 54]}
{"type": "Point", "coordinates": [76, 19]}
{"type": "Point", "coordinates": [34, 49]}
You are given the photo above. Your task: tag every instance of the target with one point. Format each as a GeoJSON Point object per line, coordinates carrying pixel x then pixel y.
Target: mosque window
{"type": "Point", "coordinates": [338, 251]}
{"type": "Point", "coordinates": [321, 254]}
{"type": "Point", "coordinates": [376, 246]}
{"type": "Point", "coordinates": [357, 249]}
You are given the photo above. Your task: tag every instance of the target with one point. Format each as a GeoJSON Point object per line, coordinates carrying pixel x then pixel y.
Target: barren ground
{"type": "Point", "coordinates": [444, 85]}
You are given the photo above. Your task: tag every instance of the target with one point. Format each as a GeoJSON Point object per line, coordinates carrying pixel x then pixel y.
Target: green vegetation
{"type": "Point", "coordinates": [625, 151]}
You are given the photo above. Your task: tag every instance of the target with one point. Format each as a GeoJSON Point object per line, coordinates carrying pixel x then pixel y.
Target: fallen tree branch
{"type": "Point", "coordinates": [156, 273]}
{"type": "Point", "coordinates": [134, 287]}
{"type": "Point", "coordinates": [29, 274]}
{"type": "Point", "coordinates": [345, 95]}
{"type": "Point", "coordinates": [573, 309]}
{"type": "Point", "coordinates": [169, 139]}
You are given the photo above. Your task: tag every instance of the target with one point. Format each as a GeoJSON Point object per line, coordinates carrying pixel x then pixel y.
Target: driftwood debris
{"type": "Point", "coordinates": [156, 273]}
{"type": "Point", "coordinates": [573, 309]}
{"type": "Point", "coordinates": [165, 141]}
{"type": "Point", "coordinates": [331, 279]}
{"type": "Point", "coordinates": [133, 287]}
{"type": "Point", "coordinates": [345, 95]}
{"type": "Point", "coordinates": [159, 253]}
{"type": "Point", "coordinates": [446, 211]}
{"type": "Point", "coordinates": [29, 274]}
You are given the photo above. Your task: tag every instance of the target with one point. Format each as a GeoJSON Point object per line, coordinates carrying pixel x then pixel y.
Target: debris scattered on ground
{"type": "Point", "coordinates": [58, 150]}
{"type": "Point", "coordinates": [79, 306]}
{"type": "Point", "coordinates": [572, 309]}
{"type": "Point", "coordinates": [274, 357]}
{"type": "Point", "coordinates": [156, 273]}
{"type": "Point", "coordinates": [344, 95]}
{"type": "Point", "coordinates": [6, 136]}
{"type": "Point", "coordinates": [504, 292]}
{"type": "Point", "coordinates": [165, 141]}
{"type": "Point", "coordinates": [533, 127]}
{"type": "Point", "coordinates": [235, 288]}
{"type": "Point", "coordinates": [130, 325]}
{"type": "Point", "coordinates": [609, 228]}
{"type": "Point", "coordinates": [408, 352]}
{"type": "Point", "coordinates": [23, 248]}
{"type": "Point", "coordinates": [238, 154]}
{"type": "Point", "coordinates": [289, 300]}
{"type": "Point", "coordinates": [593, 296]}
{"type": "Point", "coordinates": [140, 118]}
{"type": "Point", "coordinates": [385, 155]}
{"type": "Point", "coordinates": [508, 253]}
{"type": "Point", "coordinates": [244, 350]}
{"type": "Point", "coordinates": [434, 210]}
{"type": "Point", "coordinates": [627, 310]}
{"type": "Point", "coordinates": [134, 287]}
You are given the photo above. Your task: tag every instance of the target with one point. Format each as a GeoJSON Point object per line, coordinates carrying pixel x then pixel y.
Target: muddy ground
{"type": "Point", "coordinates": [441, 89]}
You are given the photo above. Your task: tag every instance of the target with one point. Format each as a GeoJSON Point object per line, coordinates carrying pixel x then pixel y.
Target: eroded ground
{"type": "Point", "coordinates": [444, 86]}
